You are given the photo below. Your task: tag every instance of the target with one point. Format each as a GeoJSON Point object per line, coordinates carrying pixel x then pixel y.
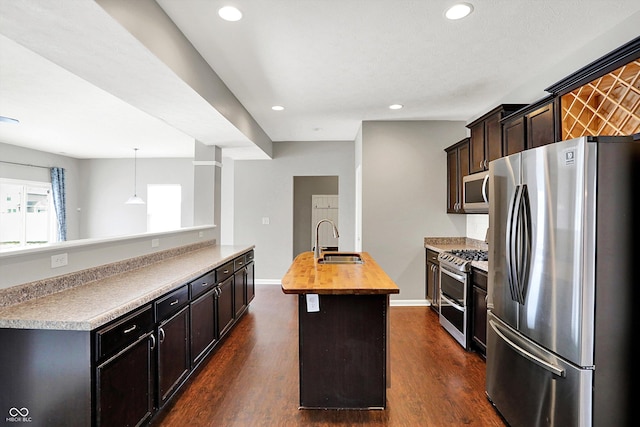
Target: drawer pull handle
{"type": "Point", "coordinates": [131, 329]}
{"type": "Point", "coordinates": [204, 284]}
{"type": "Point", "coordinates": [225, 271]}
{"type": "Point", "coordinates": [175, 302]}
{"type": "Point", "coordinates": [240, 262]}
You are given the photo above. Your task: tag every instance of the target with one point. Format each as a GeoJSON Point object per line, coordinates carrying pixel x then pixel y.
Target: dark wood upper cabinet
{"type": "Point", "coordinates": [531, 127]}
{"type": "Point", "coordinates": [457, 167]}
{"type": "Point", "coordinates": [541, 126]}
{"type": "Point", "coordinates": [486, 137]}
{"type": "Point", "coordinates": [514, 137]}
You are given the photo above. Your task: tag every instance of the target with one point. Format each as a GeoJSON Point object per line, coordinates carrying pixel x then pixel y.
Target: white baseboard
{"type": "Point", "coordinates": [409, 303]}
{"type": "Point", "coordinates": [268, 282]}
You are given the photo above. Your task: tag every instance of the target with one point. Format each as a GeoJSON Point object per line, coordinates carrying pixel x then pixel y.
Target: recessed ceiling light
{"type": "Point", "coordinates": [395, 106]}
{"type": "Point", "coordinates": [458, 11]}
{"type": "Point", "coordinates": [230, 13]}
{"type": "Point", "coordinates": [277, 108]}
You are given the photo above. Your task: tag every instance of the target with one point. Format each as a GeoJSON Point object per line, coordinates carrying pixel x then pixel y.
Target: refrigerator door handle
{"type": "Point", "coordinates": [512, 237]}
{"type": "Point", "coordinates": [556, 370]}
{"type": "Point", "coordinates": [524, 247]}
{"type": "Point", "coordinates": [522, 244]}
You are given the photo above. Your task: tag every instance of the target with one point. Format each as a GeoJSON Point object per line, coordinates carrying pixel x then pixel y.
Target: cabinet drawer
{"type": "Point", "coordinates": [171, 303]}
{"type": "Point", "coordinates": [432, 256]}
{"type": "Point", "coordinates": [238, 263]}
{"type": "Point", "coordinates": [224, 272]}
{"type": "Point", "coordinates": [202, 284]}
{"type": "Point", "coordinates": [248, 257]}
{"type": "Point", "coordinates": [479, 278]}
{"type": "Point", "coordinates": [115, 337]}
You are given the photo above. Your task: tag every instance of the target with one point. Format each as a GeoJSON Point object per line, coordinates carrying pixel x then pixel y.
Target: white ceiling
{"type": "Point", "coordinates": [80, 84]}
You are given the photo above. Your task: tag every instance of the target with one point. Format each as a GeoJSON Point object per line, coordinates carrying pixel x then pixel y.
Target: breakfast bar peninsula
{"type": "Point", "coordinates": [343, 306]}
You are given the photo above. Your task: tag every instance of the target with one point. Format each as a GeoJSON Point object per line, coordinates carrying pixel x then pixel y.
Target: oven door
{"type": "Point", "coordinates": [453, 312]}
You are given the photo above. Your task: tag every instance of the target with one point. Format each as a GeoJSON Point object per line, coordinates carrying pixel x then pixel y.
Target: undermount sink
{"type": "Point", "coordinates": [340, 258]}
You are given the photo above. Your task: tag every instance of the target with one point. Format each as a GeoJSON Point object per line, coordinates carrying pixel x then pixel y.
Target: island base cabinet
{"type": "Point", "coordinates": [173, 354]}
{"type": "Point", "coordinates": [343, 351]}
{"type": "Point", "coordinates": [45, 378]}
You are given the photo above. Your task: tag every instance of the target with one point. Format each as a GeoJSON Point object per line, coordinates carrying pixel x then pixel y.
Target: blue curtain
{"type": "Point", "coordinates": [59, 197]}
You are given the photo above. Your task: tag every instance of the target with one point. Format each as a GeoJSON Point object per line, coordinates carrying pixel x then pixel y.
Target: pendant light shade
{"type": "Point", "coordinates": [134, 200]}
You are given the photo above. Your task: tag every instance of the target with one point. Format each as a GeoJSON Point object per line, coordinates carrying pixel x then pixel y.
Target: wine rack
{"type": "Point", "coordinates": [609, 105]}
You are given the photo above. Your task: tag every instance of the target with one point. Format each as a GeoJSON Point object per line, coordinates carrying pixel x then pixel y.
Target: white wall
{"type": "Point", "coordinates": [107, 183]}
{"type": "Point", "coordinates": [264, 188]}
{"type": "Point", "coordinates": [404, 196]}
{"type": "Point", "coordinates": [477, 225]}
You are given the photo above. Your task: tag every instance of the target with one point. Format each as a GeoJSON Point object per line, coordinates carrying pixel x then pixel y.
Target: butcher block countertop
{"type": "Point", "coordinates": [90, 305]}
{"type": "Point", "coordinates": [307, 276]}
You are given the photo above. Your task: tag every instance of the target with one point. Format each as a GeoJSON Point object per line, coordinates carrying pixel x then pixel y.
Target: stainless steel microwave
{"type": "Point", "coordinates": [475, 193]}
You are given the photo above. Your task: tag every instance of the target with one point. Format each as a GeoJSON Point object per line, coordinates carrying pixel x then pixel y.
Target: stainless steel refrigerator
{"type": "Point", "coordinates": [563, 279]}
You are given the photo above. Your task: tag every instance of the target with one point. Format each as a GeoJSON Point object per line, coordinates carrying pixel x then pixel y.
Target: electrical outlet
{"type": "Point", "coordinates": [265, 220]}
{"type": "Point", "coordinates": [59, 260]}
{"type": "Point", "coordinates": [201, 234]}
{"type": "Point", "coordinates": [155, 243]}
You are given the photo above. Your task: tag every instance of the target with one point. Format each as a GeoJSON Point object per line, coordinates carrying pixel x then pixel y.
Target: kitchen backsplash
{"type": "Point", "coordinates": [477, 225]}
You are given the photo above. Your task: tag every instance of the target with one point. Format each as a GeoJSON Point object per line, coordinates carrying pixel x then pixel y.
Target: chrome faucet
{"type": "Point", "coordinates": [316, 253]}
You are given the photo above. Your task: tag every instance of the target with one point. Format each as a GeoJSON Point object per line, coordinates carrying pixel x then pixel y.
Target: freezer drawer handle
{"type": "Point", "coordinates": [556, 370]}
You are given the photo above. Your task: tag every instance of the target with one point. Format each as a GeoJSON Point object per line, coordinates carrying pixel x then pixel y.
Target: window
{"type": "Point", "coordinates": [27, 216]}
{"type": "Point", "coordinates": [164, 206]}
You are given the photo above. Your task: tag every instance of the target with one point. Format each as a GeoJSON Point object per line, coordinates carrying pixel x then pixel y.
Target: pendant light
{"type": "Point", "coordinates": [134, 200]}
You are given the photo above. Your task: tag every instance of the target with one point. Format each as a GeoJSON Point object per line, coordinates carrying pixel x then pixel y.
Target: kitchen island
{"type": "Point", "coordinates": [114, 343]}
{"type": "Point", "coordinates": [343, 331]}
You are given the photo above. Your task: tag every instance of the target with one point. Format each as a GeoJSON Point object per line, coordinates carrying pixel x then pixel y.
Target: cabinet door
{"type": "Point", "coordinates": [540, 126]}
{"type": "Point", "coordinates": [452, 181]}
{"type": "Point", "coordinates": [173, 354]}
{"type": "Point", "coordinates": [239, 296]}
{"type": "Point", "coordinates": [124, 386]}
{"type": "Point", "coordinates": [225, 306]}
{"type": "Point", "coordinates": [477, 151]}
{"type": "Point", "coordinates": [493, 139]}
{"type": "Point", "coordinates": [250, 281]}
{"type": "Point", "coordinates": [480, 319]}
{"type": "Point", "coordinates": [514, 136]}
{"type": "Point", "coordinates": [457, 167]}
{"type": "Point", "coordinates": [203, 326]}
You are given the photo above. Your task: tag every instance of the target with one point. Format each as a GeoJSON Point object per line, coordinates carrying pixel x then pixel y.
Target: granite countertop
{"type": "Point", "coordinates": [306, 275]}
{"type": "Point", "coordinates": [91, 305]}
{"type": "Point", "coordinates": [442, 244]}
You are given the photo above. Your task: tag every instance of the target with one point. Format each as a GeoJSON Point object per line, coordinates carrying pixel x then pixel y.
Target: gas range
{"type": "Point", "coordinates": [461, 259]}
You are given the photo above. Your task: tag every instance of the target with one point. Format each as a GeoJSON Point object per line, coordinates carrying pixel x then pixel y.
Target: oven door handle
{"type": "Point", "coordinates": [452, 303]}
{"type": "Point", "coordinates": [458, 277]}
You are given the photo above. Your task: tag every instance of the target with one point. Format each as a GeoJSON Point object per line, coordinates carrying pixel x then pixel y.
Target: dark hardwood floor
{"type": "Point", "coordinates": [252, 378]}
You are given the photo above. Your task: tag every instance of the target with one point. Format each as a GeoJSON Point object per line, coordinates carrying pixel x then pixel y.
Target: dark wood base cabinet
{"type": "Point", "coordinates": [45, 378]}
{"type": "Point", "coordinates": [125, 372]}
{"type": "Point", "coordinates": [479, 310]}
{"type": "Point", "coordinates": [125, 385]}
{"type": "Point", "coordinates": [343, 351]}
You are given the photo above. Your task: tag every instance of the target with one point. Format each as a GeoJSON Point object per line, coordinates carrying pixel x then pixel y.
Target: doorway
{"type": "Point", "coordinates": [304, 187]}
